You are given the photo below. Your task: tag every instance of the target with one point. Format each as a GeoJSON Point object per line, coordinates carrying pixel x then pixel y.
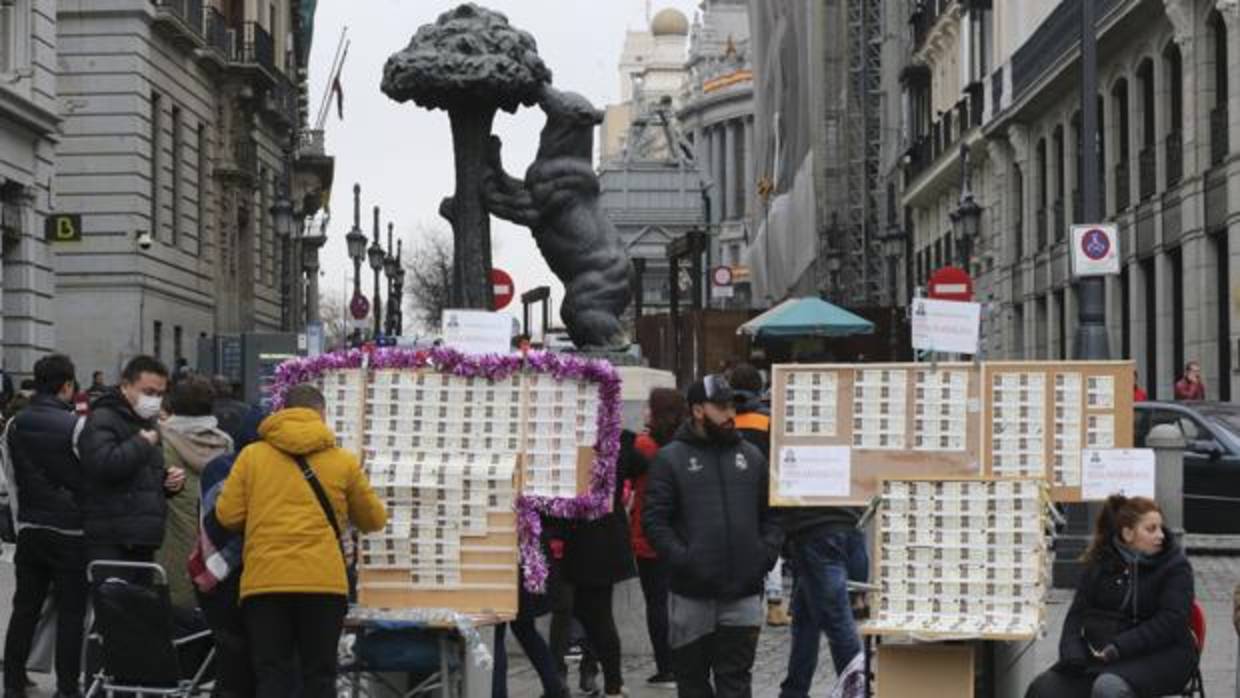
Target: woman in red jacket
{"type": "Point", "coordinates": [665, 412]}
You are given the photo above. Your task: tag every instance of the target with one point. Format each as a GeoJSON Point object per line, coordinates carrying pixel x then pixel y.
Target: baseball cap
{"type": "Point", "coordinates": [711, 388]}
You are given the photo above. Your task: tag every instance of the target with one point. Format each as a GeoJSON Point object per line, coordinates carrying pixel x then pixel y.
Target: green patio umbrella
{"type": "Point", "coordinates": [806, 317]}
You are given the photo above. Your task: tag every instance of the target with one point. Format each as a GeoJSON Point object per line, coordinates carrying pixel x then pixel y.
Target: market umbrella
{"type": "Point", "coordinates": [806, 317]}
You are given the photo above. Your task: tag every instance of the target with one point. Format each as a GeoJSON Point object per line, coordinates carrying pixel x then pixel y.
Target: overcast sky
{"type": "Point", "coordinates": [402, 154]}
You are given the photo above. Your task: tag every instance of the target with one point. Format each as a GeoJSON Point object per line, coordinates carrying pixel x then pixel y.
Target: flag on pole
{"type": "Point", "coordinates": [339, 92]}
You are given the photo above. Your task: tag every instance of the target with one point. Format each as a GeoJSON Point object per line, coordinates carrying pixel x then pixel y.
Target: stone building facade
{"type": "Point", "coordinates": [28, 132]}
{"type": "Point", "coordinates": [717, 116]}
{"type": "Point", "coordinates": [1169, 117]}
{"type": "Point", "coordinates": [180, 120]}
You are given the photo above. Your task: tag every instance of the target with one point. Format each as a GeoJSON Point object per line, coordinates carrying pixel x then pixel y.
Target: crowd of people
{"type": "Point", "coordinates": [183, 474]}
{"type": "Point", "coordinates": [245, 512]}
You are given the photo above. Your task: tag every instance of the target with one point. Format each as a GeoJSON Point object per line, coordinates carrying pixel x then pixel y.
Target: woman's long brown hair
{"type": "Point", "coordinates": [1118, 513]}
{"type": "Point", "coordinates": [667, 411]}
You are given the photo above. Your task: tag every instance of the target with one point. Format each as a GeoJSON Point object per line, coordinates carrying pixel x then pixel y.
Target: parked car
{"type": "Point", "coordinates": [1211, 433]}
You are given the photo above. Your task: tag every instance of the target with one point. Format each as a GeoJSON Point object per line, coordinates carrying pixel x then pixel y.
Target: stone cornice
{"type": "Point", "coordinates": [17, 108]}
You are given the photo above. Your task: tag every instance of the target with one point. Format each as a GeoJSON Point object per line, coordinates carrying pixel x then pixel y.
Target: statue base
{"type": "Point", "coordinates": [626, 357]}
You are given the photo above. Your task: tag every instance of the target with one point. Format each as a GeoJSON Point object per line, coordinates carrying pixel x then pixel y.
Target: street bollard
{"type": "Point", "coordinates": [1168, 444]}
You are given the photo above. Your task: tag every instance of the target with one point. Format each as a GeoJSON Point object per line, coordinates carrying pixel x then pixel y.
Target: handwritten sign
{"type": "Point", "coordinates": [1126, 471]}
{"type": "Point", "coordinates": [946, 326]}
{"type": "Point", "coordinates": [477, 331]}
{"type": "Point", "coordinates": [815, 471]}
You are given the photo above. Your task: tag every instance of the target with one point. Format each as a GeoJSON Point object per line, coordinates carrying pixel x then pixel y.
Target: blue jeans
{"type": "Point", "coordinates": [824, 562]}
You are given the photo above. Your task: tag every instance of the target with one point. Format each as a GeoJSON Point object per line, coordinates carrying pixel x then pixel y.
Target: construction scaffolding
{"type": "Point", "coordinates": [861, 278]}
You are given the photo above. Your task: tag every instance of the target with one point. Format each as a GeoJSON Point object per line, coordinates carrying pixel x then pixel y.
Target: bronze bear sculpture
{"type": "Point", "coordinates": [558, 202]}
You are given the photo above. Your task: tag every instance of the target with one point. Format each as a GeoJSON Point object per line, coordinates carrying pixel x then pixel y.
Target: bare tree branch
{"type": "Point", "coordinates": [428, 287]}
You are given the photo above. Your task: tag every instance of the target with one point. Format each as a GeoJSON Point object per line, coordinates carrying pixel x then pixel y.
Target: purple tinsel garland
{"type": "Point", "coordinates": [593, 504]}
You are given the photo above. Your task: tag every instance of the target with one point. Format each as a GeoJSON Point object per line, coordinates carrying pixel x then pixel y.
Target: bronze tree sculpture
{"type": "Point", "coordinates": [471, 62]}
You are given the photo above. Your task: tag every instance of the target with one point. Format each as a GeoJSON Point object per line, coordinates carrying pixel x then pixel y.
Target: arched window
{"type": "Point", "coordinates": [1173, 64]}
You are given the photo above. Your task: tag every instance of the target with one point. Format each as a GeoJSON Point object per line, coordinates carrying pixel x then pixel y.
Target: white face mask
{"type": "Point", "coordinates": [148, 406]}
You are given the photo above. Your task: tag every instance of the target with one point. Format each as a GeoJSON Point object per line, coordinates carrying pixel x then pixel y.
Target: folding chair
{"type": "Point", "coordinates": [1196, 628]}
{"type": "Point", "coordinates": [135, 637]}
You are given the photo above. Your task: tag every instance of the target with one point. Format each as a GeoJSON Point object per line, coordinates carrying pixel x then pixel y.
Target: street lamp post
{"type": "Point", "coordinates": [389, 270]}
{"type": "Point", "coordinates": [282, 216]}
{"type": "Point", "coordinates": [399, 286]}
{"type": "Point", "coordinates": [356, 242]}
{"type": "Point", "coordinates": [967, 218]}
{"type": "Point", "coordinates": [375, 256]}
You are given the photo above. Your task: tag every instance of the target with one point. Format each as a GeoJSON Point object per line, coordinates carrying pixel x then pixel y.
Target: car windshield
{"type": "Point", "coordinates": [1228, 420]}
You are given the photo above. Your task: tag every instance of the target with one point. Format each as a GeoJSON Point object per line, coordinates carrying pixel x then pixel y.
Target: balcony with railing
{"type": "Point", "coordinates": [219, 40]}
{"type": "Point", "coordinates": [945, 134]}
{"type": "Point", "coordinates": [257, 49]}
{"type": "Point", "coordinates": [1123, 187]}
{"type": "Point", "coordinates": [184, 17]}
{"type": "Point", "coordinates": [1220, 144]}
{"type": "Point", "coordinates": [1175, 158]}
{"type": "Point", "coordinates": [281, 102]}
{"type": "Point", "coordinates": [241, 158]}
{"type": "Point", "coordinates": [312, 143]}
{"type": "Point", "coordinates": [1147, 171]}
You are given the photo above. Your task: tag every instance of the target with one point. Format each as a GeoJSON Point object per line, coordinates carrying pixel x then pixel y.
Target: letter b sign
{"type": "Point", "coordinates": [63, 228]}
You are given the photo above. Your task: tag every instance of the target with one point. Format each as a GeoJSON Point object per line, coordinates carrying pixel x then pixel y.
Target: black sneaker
{"type": "Point", "coordinates": [574, 652]}
{"type": "Point", "coordinates": [663, 679]}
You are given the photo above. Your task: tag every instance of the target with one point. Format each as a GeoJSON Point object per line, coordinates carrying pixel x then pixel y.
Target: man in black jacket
{"type": "Point", "coordinates": [706, 514]}
{"type": "Point", "coordinates": [126, 482]}
{"type": "Point", "coordinates": [49, 520]}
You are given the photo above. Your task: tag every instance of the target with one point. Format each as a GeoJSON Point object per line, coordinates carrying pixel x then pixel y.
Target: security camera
{"type": "Point", "coordinates": [144, 240]}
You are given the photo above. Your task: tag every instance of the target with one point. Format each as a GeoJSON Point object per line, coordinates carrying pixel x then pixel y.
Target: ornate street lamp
{"type": "Point", "coordinates": [376, 256]}
{"type": "Point", "coordinates": [400, 291]}
{"type": "Point", "coordinates": [356, 242]}
{"type": "Point", "coordinates": [967, 218]}
{"type": "Point", "coordinates": [389, 270]}
{"type": "Point", "coordinates": [282, 216]}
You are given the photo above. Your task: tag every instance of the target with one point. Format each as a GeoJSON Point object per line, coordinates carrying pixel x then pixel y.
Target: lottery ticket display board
{"type": "Point", "coordinates": [889, 420]}
{"type": "Point", "coordinates": [960, 558]}
{"type": "Point", "coordinates": [1039, 416]}
{"type": "Point", "coordinates": [837, 429]}
{"type": "Point", "coordinates": [448, 455]}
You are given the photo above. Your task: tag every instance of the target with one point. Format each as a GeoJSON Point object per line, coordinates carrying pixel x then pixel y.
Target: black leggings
{"type": "Point", "coordinates": [592, 606]}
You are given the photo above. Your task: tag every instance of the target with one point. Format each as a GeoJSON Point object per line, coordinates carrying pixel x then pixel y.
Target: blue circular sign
{"type": "Point", "coordinates": [1096, 244]}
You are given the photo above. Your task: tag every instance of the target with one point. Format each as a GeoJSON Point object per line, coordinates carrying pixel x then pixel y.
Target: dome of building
{"type": "Point", "coordinates": [669, 22]}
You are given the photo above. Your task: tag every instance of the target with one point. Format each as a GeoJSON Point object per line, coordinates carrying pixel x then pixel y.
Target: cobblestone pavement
{"type": "Point", "coordinates": [1217, 575]}
{"type": "Point", "coordinates": [769, 669]}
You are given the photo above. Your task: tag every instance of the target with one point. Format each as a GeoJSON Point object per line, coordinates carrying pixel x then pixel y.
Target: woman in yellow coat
{"type": "Point", "coordinates": [294, 591]}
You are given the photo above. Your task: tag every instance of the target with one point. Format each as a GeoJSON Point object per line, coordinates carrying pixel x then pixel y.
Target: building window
{"type": "Point", "coordinates": [177, 162]}
{"type": "Point", "coordinates": [1060, 179]}
{"type": "Point", "coordinates": [203, 188]}
{"type": "Point", "coordinates": [157, 340]}
{"type": "Point", "coordinates": [1123, 188]}
{"type": "Point", "coordinates": [1219, 142]}
{"type": "Point", "coordinates": [178, 347]}
{"type": "Point", "coordinates": [1018, 213]}
{"type": "Point", "coordinates": [1043, 192]}
{"type": "Point", "coordinates": [156, 117]}
{"type": "Point", "coordinates": [1174, 61]}
{"type": "Point", "coordinates": [15, 35]}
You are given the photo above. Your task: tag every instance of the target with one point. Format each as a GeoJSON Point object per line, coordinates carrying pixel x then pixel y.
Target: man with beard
{"type": "Point", "coordinates": [706, 514]}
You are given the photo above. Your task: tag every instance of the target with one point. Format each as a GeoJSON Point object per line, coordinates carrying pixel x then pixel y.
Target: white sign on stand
{"type": "Point", "coordinates": [815, 471]}
{"type": "Point", "coordinates": [1126, 471]}
{"type": "Point", "coordinates": [1095, 250]}
{"type": "Point", "coordinates": [477, 331]}
{"type": "Point", "coordinates": [946, 326]}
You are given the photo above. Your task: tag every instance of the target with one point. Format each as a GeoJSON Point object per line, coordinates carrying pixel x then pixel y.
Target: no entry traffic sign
{"type": "Point", "coordinates": [502, 287]}
{"type": "Point", "coordinates": [951, 284]}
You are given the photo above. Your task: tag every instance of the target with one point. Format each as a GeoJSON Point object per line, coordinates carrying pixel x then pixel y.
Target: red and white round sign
{"type": "Point", "coordinates": [721, 276]}
{"type": "Point", "coordinates": [502, 288]}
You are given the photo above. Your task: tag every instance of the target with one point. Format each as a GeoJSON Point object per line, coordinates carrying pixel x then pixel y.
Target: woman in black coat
{"type": "Point", "coordinates": [597, 556]}
{"type": "Point", "coordinates": [1126, 634]}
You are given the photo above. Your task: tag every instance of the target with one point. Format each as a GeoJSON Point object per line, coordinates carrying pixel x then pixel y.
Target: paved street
{"type": "Point", "coordinates": [1216, 575]}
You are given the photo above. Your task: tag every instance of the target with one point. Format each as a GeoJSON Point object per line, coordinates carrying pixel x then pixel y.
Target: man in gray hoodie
{"type": "Point", "coordinates": [717, 563]}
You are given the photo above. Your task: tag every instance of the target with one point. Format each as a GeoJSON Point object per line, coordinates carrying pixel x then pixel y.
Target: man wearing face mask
{"type": "Point", "coordinates": [126, 481]}
{"type": "Point", "coordinates": [706, 514]}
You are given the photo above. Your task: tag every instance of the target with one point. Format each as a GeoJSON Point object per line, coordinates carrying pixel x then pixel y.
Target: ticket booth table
{"type": "Point", "coordinates": [467, 452]}
{"type": "Point", "coordinates": [959, 462]}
